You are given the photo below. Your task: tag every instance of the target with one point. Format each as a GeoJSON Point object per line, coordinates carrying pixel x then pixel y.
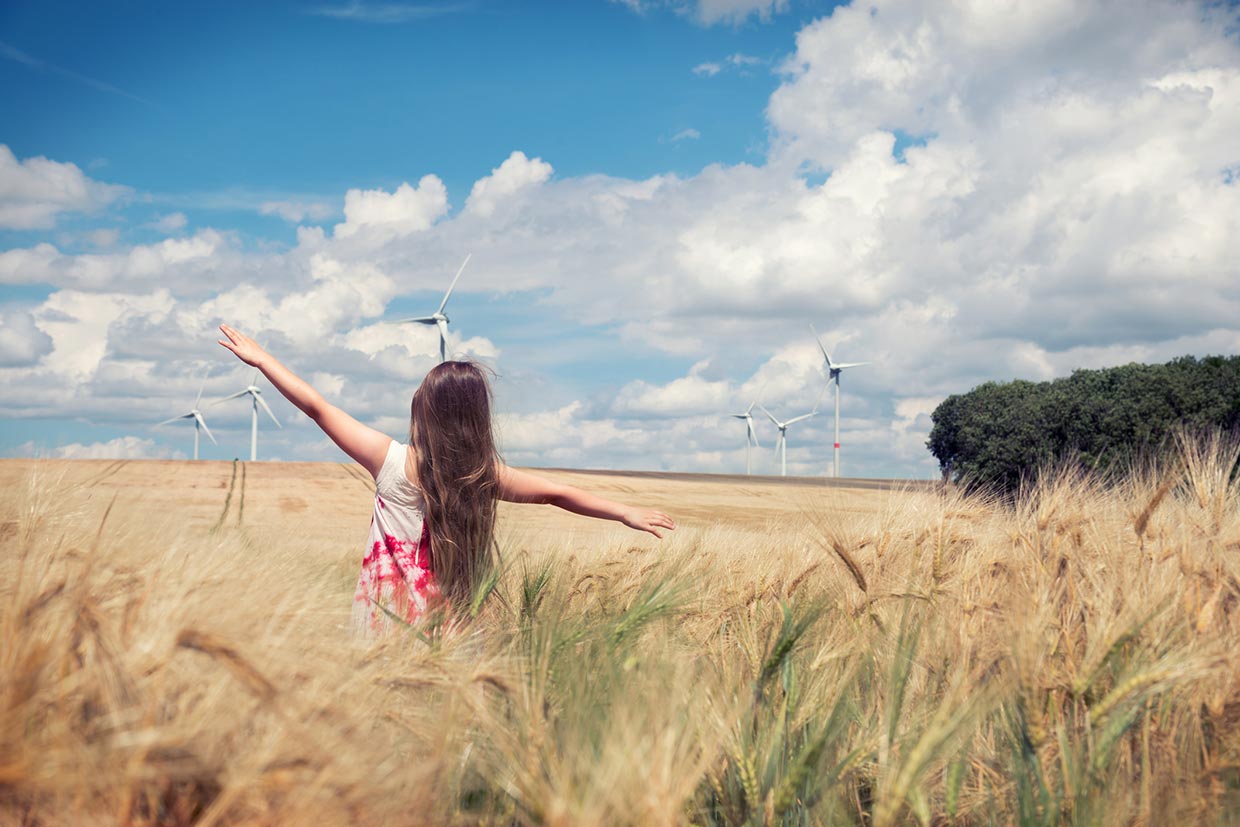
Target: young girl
{"type": "Point", "coordinates": [434, 517]}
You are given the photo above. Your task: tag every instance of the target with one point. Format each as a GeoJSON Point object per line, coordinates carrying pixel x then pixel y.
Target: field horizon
{"type": "Point", "coordinates": [344, 490]}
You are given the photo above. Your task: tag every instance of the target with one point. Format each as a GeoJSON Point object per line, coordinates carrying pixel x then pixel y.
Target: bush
{"type": "Point", "coordinates": [999, 434]}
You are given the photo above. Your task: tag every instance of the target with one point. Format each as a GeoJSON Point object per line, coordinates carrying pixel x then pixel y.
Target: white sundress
{"type": "Point", "coordinates": [396, 573]}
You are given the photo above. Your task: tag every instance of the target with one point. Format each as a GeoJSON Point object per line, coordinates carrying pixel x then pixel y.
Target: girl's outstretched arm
{"type": "Point", "coordinates": [365, 445]}
{"type": "Point", "coordinates": [524, 487]}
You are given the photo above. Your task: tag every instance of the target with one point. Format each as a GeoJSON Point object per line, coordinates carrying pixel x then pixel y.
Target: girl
{"type": "Point", "coordinates": [434, 518]}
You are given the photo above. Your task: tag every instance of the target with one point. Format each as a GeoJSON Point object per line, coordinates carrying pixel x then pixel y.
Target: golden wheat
{"type": "Point", "coordinates": [971, 662]}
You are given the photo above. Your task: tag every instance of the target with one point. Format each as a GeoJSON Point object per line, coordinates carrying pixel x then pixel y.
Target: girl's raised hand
{"type": "Point", "coordinates": [245, 348]}
{"type": "Point", "coordinates": [655, 522]}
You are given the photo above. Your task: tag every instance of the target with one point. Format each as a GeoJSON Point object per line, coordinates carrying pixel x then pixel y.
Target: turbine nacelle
{"type": "Point", "coordinates": [833, 368]}
{"type": "Point", "coordinates": [781, 444]}
{"type": "Point", "coordinates": [256, 401]}
{"type": "Point", "coordinates": [200, 422]}
{"type": "Point", "coordinates": [751, 437]}
{"type": "Point", "coordinates": [256, 394]}
{"type": "Point", "coordinates": [434, 319]}
{"type": "Point", "coordinates": [439, 318]}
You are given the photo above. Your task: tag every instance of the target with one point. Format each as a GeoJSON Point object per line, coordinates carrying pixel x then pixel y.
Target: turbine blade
{"type": "Point", "coordinates": [202, 387]}
{"type": "Point", "coordinates": [451, 286]}
{"type": "Point", "coordinates": [174, 419]}
{"type": "Point", "coordinates": [753, 435]}
{"type": "Point", "coordinates": [417, 320]}
{"type": "Point", "coordinates": [234, 396]}
{"type": "Point", "coordinates": [770, 416]}
{"type": "Point", "coordinates": [203, 423]}
{"type": "Point", "coordinates": [852, 365]}
{"type": "Point", "coordinates": [799, 418]}
{"type": "Point", "coordinates": [254, 378]}
{"type": "Point", "coordinates": [825, 355]}
{"type": "Point", "coordinates": [821, 391]}
{"type": "Point", "coordinates": [263, 403]}
{"type": "Point", "coordinates": [761, 388]}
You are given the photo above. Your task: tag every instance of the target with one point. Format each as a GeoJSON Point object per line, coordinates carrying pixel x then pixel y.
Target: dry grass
{"type": "Point", "coordinates": [174, 652]}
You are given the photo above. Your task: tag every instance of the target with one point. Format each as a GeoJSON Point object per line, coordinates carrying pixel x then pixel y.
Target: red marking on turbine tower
{"type": "Point", "coordinates": [837, 445]}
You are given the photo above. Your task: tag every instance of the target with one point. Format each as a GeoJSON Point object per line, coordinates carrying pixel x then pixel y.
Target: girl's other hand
{"type": "Point", "coordinates": [655, 522]}
{"type": "Point", "coordinates": [245, 348]}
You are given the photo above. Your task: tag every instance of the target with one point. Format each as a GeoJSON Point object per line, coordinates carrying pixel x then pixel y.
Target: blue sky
{"type": "Point", "coordinates": [279, 98]}
{"type": "Point", "coordinates": [660, 196]}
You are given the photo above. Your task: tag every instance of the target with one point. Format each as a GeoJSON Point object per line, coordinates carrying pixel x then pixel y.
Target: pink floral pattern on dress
{"type": "Point", "coordinates": [396, 575]}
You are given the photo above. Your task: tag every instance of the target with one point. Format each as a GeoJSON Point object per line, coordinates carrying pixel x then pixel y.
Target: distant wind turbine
{"type": "Point", "coordinates": [751, 438]}
{"type": "Point", "coordinates": [438, 318]}
{"type": "Point", "coordinates": [834, 369]}
{"type": "Point", "coordinates": [781, 445]}
{"type": "Point", "coordinates": [199, 422]}
{"type": "Point", "coordinates": [256, 399]}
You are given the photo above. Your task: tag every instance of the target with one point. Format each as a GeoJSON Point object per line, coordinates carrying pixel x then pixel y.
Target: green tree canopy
{"type": "Point", "coordinates": [1001, 432]}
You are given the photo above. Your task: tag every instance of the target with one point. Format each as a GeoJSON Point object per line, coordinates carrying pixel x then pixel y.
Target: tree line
{"type": "Point", "coordinates": [1001, 433]}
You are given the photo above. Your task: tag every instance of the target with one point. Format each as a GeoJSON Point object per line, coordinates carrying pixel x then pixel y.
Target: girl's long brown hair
{"type": "Point", "coordinates": [457, 466]}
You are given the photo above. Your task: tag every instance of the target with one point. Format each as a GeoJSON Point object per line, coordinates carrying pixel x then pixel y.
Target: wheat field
{"type": "Point", "coordinates": [174, 650]}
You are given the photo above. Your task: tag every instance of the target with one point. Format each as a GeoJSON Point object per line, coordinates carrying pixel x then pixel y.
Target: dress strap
{"type": "Point", "coordinates": [393, 465]}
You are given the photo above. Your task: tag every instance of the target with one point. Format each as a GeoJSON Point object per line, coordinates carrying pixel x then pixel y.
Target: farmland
{"type": "Point", "coordinates": [175, 651]}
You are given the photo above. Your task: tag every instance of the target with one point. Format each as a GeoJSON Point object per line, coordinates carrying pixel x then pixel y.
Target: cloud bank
{"type": "Point", "coordinates": [953, 193]}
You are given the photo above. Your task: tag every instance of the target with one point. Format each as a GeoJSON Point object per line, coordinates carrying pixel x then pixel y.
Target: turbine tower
{"type": "Point", "coordinates": [438, 318]}
{"type": "Point", "coordinates": [256, 399]}
{"type": "Point", "coordinates": [200, 424]}
{"type": "Point", "coordinates": [751, 438]}
{"type": "Point", "coordinates": [781, 445]}
{"type": "Point", "coordinates": [834, 369]}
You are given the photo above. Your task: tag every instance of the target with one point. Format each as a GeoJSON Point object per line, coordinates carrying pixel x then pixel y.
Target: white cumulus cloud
{"type": "Point", "coordinates": [691, 394]}
{"type": "Point", "coordinates": [21, 340]}
{"type": "Point", "coordinates": [35, 191]}
{"type": "Point", "coordinates": [517, 174]}
{"type": "Point", "coordinates": [403, 211]}
{"type": "Point", "coordinates": [143, 264]}
{"type": "Point", "coordinates": [124, 447]}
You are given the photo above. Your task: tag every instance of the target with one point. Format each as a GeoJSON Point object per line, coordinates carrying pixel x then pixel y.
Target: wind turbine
{"type": "Point", "coordinates": [196, 415]}
{"type": "Point", "coordinates": [834, 369]}
{"type": "Point", "coordinates": [781, 445]}
{"type": "Point", "coordinates": [438, 318]}
{"type": "Point", "coordinates": [256, 399]}
{"type": "Point", "coordinates": [751, 438]}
